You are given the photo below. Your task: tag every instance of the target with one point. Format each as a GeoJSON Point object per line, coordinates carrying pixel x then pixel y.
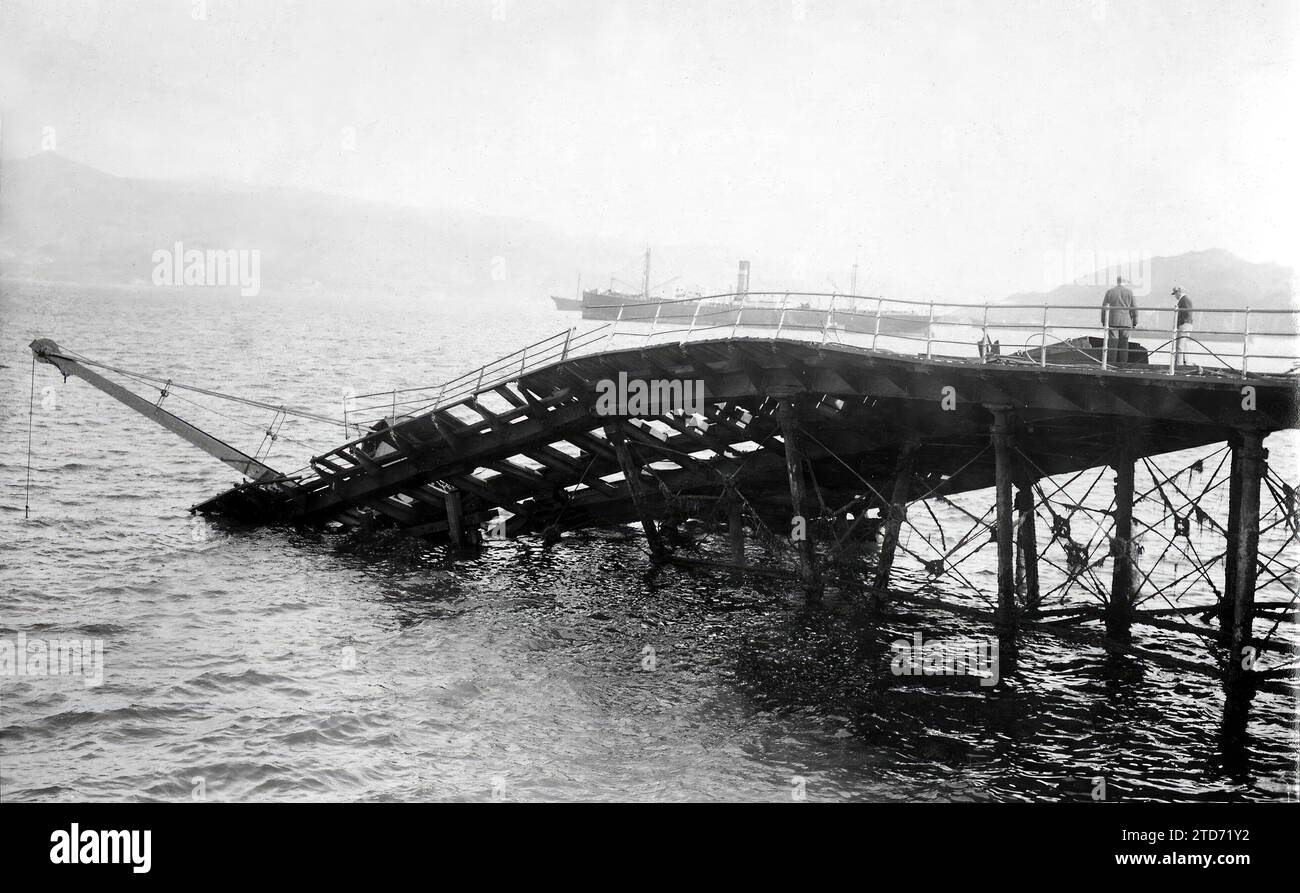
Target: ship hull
{"type": "Point", "coordinates": [899, 325]}
{"type": "Point", "coordinates": [610, 305]}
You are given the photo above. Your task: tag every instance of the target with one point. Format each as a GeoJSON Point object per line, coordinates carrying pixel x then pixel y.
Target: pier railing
{"type": "Point", "coordinates": [411, 401]}
{"type": "Point", "coordinates": [1234, 341]}
{"type": "Point", "coordinates": [1243, 340]}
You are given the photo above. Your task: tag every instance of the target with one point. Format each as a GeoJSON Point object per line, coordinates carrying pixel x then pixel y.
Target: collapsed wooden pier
{"type": "Point", "coordinates": [819, 443]}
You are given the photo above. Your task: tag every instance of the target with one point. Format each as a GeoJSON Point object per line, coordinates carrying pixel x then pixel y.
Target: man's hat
{"type": "Point", "coordinates": [1178, 290]}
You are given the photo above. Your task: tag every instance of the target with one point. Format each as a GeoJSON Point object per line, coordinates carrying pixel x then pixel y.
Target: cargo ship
{"type": "Point", "coordinates": [743, 309]}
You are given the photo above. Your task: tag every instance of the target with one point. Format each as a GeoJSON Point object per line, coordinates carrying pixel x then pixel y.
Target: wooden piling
{"type": "Point", "coordinates": [1250, 470]}
{"type": "Point", "coordinates": [1002, 474]}
{"type": "Point", "coordinates": [455, 518]}
{"type": "Point", "coordinates": [632, 475]}
{"type": "Point", "coordinates": [787, 415]}
{"type": "Point", "coordinates": [1233, 540]}
{"type": "Point", "coordinates": [896, 514]}
{"type": "Point", "coordinates": [1027, 551]}
{"type": "Point", "coordinates": [1119, 608]}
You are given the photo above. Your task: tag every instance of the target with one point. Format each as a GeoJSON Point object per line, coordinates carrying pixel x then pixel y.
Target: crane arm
{"type": "Point", "coordinates": [47, 351]}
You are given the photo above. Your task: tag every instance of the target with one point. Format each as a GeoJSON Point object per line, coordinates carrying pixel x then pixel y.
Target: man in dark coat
{"type": "Point", "coordinates": [1184, 325]}
{"type": "Point", "coordinates": [1118, 315]}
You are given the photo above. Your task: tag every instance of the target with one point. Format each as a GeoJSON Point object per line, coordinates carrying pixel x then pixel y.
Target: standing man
{"type": "Point", "coordinates": [1118, 314]}
{"type": "Point", "coordinates": [1184, 324]}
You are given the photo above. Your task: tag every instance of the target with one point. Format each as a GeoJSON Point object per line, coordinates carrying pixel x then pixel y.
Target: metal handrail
{"type": "Point", "coordinates": [731, 306]}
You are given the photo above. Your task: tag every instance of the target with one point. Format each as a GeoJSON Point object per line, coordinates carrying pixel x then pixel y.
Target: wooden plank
{"type": "Point", "coordinates": [632, 477]}
{"type": "Point", "coordinates": [510, 396]}
{"type": "Point", "coordinates": [486, 491]}
{"type": "Point", "coordinates": [588, 473]}
{"type": "Point", "coordinates": [360, 458]}
{"type": "Point", "coordinates": [422, 467]}
{"type": "Point", "coordinates": [428, 495]}
{"type": "Point", "coordinates": [524, 474]}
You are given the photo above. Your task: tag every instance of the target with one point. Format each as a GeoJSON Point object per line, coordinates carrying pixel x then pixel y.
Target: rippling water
{"type": "Point", "coordinates": [520, 673]}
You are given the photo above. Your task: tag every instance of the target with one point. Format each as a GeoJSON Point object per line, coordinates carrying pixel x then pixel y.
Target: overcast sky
{"type": "Point", "coordinates": [958, 143]}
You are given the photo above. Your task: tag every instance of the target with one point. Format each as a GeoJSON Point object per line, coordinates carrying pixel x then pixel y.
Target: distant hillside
{"type": "Point", "coordinates": [62, 220]}
{"type": "Point", "coordinates": [1213, 278]}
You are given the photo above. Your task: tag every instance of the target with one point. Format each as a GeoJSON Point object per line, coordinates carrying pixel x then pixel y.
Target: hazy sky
{"type": "Point", "coordinates": [957, 142]}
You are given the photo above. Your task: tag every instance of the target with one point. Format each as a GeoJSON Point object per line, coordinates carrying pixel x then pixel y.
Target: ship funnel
{"type": "Point", "coordinates": [742, 278]}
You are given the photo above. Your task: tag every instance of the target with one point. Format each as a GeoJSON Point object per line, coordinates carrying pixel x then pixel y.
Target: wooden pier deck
{"type": "Point", "coordinates": [792, 431]}
{"type": "Point", "coordinates": [538, 448]}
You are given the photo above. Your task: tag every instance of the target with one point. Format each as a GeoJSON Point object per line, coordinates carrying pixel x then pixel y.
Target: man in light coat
{"type": "Point", "coordinates": [1118, 315]}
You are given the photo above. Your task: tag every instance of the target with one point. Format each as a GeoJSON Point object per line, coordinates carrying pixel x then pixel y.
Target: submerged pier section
{"type": "Point", "coordinates": [824, 446]}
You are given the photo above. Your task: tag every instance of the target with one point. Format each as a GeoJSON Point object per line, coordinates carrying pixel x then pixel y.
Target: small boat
{"type": "Point", "coordinates": [567, 303]}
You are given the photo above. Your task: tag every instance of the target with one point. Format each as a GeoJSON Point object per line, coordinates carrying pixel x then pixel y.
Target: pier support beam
{"type": "Point", "coordinates": [1002, 474]}
{"type": "Point", "coordinates": [895, 514]}
{"type": "Point", "coordinates": [1249, 470]}
{"type": "Point", "coordinates": [1120, 607]}
{"type": "Point", "coordinates": [788, 416]}
{"type": "Point", "coordinates": [632, 475]}
{"type": "Point", "coordinates": [455, 518]}
{"type": "Point", "coordinates": [1027, 543]}
{"type": "Point", "coordinates": [1233, 539]}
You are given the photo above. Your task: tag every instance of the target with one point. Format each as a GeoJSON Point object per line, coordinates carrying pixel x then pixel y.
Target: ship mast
{"type": "Point", "coordinates": [645, 276]}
